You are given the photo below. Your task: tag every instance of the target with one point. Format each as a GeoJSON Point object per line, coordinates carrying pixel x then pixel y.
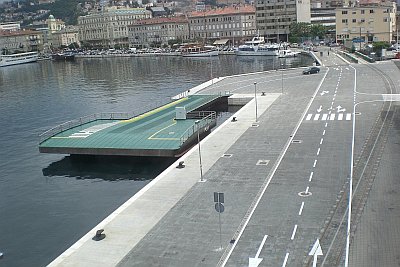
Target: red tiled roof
{"type": "Point", "coordinates": [161, 20]}
{"type": "Point", "coordinates": [229, 10]}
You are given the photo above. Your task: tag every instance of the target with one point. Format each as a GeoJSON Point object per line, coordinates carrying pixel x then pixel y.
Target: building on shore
{"type": "Point", "coordinates": [10, 26]}
{"type": "Point", "coordinates": [235, 23]}
{"type": "Point", "coordinates": [274, 17]}
{"type": "Point", "coordinates": [158, 31]}
{"type": "Point", "coordinates": [108, 28]}
{"type": "Point", "coordinates": [66, 37]}
{"type": "Point", "coordinates": [366, 23]}
{"type": "Point", "coordinates": [20, 41]}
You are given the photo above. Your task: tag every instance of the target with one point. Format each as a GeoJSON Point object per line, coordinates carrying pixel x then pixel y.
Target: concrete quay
{"type": "Point", "coordinates": [282, 174]}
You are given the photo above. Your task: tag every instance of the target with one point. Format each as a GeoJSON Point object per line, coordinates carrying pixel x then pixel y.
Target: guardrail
{"type": "Point", "coordinates": [349, 56]}
{"type": "Point", "coordinates": [206, 118]}
{"type": "Point", "coordinates": [367, 58]}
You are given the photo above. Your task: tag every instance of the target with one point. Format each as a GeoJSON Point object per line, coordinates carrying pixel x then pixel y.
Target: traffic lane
{"type": "Point", "coordinates": [277, 213]}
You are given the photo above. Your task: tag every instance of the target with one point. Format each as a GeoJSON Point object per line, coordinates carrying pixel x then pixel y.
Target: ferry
{"type": "Point", "coordinates": [200, 51]}
{"type": "Point", "coordinates": [19, 58]}
{"type": "Point", "coordinates": [257, 47]}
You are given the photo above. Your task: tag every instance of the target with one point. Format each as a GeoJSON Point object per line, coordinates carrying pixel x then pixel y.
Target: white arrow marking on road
{"type": "Point", "coordinates": [316, 251]}
{"type": "Point", "coordinates": [324, 92]}
{"type": "Point", "coordinates": [340, 109]}
{"type": "Point", "coordinates": [254, 262]}
{"type": "Point", "coordinates": [319, 109]}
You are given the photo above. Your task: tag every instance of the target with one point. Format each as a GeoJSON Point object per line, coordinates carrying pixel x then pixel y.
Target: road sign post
{"type": "Point", "coordinates": [219, 207]}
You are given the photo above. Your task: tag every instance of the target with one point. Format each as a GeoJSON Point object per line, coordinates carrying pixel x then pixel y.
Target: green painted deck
{"type": "Point", "coordinates": [154, 133]}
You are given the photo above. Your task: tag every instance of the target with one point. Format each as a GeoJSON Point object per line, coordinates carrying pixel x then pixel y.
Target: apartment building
{"type": "Point", "coordinates": [274, 17]}
{"type": "Point", "coordinates": [109, 27]}
{"type": "Point", "coordinates": [366, 23]}
{"type": "Point", "coordinates": [160, 30]}
{"type": "Point", "coordinates": [65, 37]}
{"type": "Point", "coordinates": [22, 40]}
{"type": "Point", "coordinates": [235, 23]}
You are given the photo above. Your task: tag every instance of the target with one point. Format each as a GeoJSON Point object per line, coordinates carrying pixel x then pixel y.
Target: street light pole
{"type": "Point", "coordinates": [255, 97]}
{"type": "Point", "coordinates": [197, 122]}
{"type": "Point", "coordinates": [282, 79]}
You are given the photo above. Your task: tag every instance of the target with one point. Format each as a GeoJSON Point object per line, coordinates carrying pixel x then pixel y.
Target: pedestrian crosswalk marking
{"type": "Point", "coordinates": [330, 117]}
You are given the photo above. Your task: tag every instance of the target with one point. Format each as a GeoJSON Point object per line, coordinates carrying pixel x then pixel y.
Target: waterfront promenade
{"type": "Point", "coordinates": [284, 175]}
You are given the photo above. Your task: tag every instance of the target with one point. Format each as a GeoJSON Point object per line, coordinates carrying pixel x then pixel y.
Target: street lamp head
{"type": "Point", "coordinates": [255, 83]}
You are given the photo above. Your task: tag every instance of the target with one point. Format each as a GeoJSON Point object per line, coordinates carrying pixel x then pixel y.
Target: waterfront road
{"type": "Point", "coordinates": [285, 177]}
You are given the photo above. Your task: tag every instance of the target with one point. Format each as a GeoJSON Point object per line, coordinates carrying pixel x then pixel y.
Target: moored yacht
{"type": "Point", "coordinates": [257, 47]}
{"type": "Point", "coordinates": [287, 53]}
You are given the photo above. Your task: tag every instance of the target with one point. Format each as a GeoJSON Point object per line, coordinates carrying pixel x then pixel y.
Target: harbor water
{"type": "Point", "coordinates": [47, 202]}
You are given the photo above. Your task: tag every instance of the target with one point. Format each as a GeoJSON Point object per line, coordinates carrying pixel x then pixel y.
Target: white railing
{"type": "Point", "coordinates": [206, 118]}
{"type": "Point", "coordinates": [97, 116]}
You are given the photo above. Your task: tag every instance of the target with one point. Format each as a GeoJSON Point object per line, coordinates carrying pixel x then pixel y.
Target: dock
{"type": "Point", "coordinates": [158, 132]}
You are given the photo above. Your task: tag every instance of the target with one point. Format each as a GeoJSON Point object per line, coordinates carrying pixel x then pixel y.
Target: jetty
{"type": "Point", "coordinates": [166, 131]}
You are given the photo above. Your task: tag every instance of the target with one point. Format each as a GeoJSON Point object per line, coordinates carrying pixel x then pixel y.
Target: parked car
{"type": "Point", "coordinates": [311, 70]}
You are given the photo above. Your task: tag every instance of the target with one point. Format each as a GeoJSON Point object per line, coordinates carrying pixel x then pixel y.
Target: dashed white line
{"type": "Point", "coordinates": [340, 116]}
{"type": "Point", "coordinates": [309, 117]}
{"type": "Point", "coordinates": [319, 149]}
{"type": "Point", "coordinates": [348, 116]}
{"type": "Point", "coordinates": [322, 140]}
{"type": "Point", "coordinates": [332, 117]}
{"type": "Point", "coordinates": [285, 260]}
{"type": "Point", "coordinates": [294, 232]}
{"type": "Point", "coordinates": [323, 133]}
{"type": "Point", "coordinates": [316, 117]}
{"type": "Point", "coordinates": [315, 163]}
{"type": "Point", "coordinates": [301, 208]}
{"type": "Point", "coordinates": [326, 124]}
{"type": "Point", "coordinates": [307, 188]}
{"type": "Point", "coordinates": [311, 175]}
{"type": "Point", "coordinates": [324, 116]}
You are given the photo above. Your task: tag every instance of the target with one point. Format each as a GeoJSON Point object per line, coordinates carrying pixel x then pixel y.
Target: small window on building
{"type": "Point", "coordinates": [344, 20]}
{"type": "Point", "coordinates": [371, 11]}
{"type": "Point", "coordinates": [344, 12]}
{"type": "Point", "coordinates": [354, 20]}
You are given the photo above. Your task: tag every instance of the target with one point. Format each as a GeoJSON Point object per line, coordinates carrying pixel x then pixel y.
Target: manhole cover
{"type": "Point", "coordinates": [305, 194]}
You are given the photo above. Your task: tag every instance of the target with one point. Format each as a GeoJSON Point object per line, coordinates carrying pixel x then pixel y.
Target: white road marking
{"type": "Point", "coordinates": [348, 116]}
{"type": "Point", "coordinates": [324, 116]}
{"type": "Point", "coordinates": [316, 117]}
{"type": "Point", "coordinates": [326, 124]}
{"type": "Point", "coordinates": [332, 117]}
{"type": "Point", "coordinates": [340, 117]}
{"type": "Point", "coordinates": [307, 189]}
{"type": "Point", "coordinates": [319, 149]}
{"type": "Point", "coordinates": [301, 208]}
{"type": "Point", "coordinates": [322, 140]}
{"type": "Point", "coordinates": [309, 117]}
{"type": "Point", "coordinates": [311, 175]}
{"type": "Point", "coordinates": [294, 232]}
{"type": "Point", "coordinates": [315, 163]}
{"type": "Point", "coordinates": [285, 260]}
{"type": "Point", "coordinates": [323, 133]}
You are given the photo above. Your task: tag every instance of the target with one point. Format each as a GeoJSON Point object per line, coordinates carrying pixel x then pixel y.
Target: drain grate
{"type": "Point", "coordinates": [255, 125]}
{"type": "Point", "coordinates": [297, 141]}
{"type": "Point", "coordinates": [358, 113]}
{"type": "Point", "coordinates": [262, 162]}
{"type": "Point", "coordinates": [226, 155]}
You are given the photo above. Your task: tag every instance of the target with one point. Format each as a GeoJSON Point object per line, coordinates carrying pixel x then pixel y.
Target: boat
{"type": "Point", "coordinates": [19, 58]}
{"type": "Point", "coordinates": [66, 56]}
{"type": "Point", "coordinates": [257, 47]}
{"type": "Point", "coordinates": [287, 53]}
{"type": "Point", "coordinates": [200, 51]}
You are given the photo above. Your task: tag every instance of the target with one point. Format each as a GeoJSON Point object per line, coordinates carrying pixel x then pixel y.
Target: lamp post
{"type": "Point", "coordinates": [255, 97]}
{"type": "Point", "coordinates": [197, 122]}
{"type": "Point", "coordinates": [282, 78]}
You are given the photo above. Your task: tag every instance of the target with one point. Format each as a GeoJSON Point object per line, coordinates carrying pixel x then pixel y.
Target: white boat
{"type": "Point", "coordinates": [200, 51]}
{"type": "Point", "coordinates": [20, 58]}
{"type": "Point", "coordinates": [287, 53]}
{"type": "Point", "coordinates": [257, 47]}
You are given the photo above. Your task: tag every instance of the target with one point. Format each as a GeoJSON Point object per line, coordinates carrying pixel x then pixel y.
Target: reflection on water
{"type": "Point", "coordinates": [108, 168]}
